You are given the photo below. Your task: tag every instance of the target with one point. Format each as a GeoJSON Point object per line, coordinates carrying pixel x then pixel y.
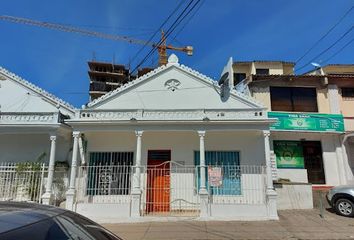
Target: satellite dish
{"type": "Point", "coordinates": [226, 81]}
{"type": "Point", "coordinates": [315, 64]}
{"type": "Point", "coordinates": [223, 79]}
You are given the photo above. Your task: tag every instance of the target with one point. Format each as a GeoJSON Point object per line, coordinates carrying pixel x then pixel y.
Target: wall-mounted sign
{"type": "Point", "coordinates": [214, 176]}
{"type": "Point", "coordinates": [289, 154]}
{"type": "Point", "coordinates": [307, 121]}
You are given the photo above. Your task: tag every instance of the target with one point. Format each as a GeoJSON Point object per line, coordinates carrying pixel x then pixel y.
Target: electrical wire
{"type": "Point", "coordinates": [158, 30]}
{"type": "Point", "coordinates": [325, 35]}
{"type": "Point", "coordinates": [340, 50]}
{"type": "Point", "coordinates": [188, 20]}
{"type": "Point", "coordinates": [169, 31]}
{"type": "Point", "coordinates": [327, 49]}
{"type": "Point", "coordinates": [161, 40]}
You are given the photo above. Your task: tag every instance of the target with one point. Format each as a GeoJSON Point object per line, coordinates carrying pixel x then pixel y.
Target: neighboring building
{"type": "Point", "coordinates": [341, 83]}
{"type": "Point", "coordinates": [307, 139]}
{"type": "Point", "coordinates": [245, 69]}
{"type": "Point", "coordinates": [167, 144]}
{"type": "Point", "coordinates": [105, 77]}
{"type": "Point", "coordinates": [32, 129]}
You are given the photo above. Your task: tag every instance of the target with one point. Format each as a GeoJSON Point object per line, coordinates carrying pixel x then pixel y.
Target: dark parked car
{"type": "Point", "coordinates": [40, 222]}
{"type": "Point", "coordinates": [341, 198]}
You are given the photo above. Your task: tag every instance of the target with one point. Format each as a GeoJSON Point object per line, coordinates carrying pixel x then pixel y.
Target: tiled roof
{"type": "Point", "coordinates": [37, 89]}
{"type": "Point", "coordinates": [264, 61]}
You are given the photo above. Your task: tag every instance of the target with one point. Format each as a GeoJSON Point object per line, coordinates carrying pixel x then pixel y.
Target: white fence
{"type": "Point", "coordinates": [171, 188]}
{"type": "Point", "coordinates": [26, 182]}
{"type": "Point", "coordinates": [104, 184]}
{"type": "Point", "coordinates": [237, 184]}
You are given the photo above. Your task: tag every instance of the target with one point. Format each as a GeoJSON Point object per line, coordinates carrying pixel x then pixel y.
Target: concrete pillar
{"type": "Point", "coordinates": [136, 189]}
{"type": "Point", "coordinates": [203, 193]}
{"type": "Point", "coordinates": [333, 98]}
{"type": "Point", "coordinates": [340, 160]}
{"type": "Point", "coordinates": [70, 194]}
{"type": "Point", "coordinates": [47, 197]}
{"type": "Point", "coordinates": [271, 193]}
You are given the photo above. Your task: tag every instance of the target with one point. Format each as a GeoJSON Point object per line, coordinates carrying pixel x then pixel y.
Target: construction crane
{"type": "Point", "coordinates": [162, 47]}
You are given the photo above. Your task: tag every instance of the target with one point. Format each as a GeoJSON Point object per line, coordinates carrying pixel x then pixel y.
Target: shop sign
{"type": "Point", "coordinates": [214, 176]}
{"type": "Point", "coordinates": [289, 154]}
{"type": "Point", "coordinates": [307, 122]}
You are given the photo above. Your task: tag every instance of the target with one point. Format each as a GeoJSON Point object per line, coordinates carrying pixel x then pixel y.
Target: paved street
{"type": "Point", "coordinates": [300, 224]}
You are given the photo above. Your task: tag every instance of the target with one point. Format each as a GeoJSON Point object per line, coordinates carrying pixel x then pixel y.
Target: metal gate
{"type": "Point", "coordinates": [170, 189]}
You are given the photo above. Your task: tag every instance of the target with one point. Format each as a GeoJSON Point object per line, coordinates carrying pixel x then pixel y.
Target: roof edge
{"type": "Point", "coordinates": [37, 89]}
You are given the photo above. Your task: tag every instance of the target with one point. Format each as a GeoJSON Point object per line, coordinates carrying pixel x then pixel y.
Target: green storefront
{"type": "Point", "coordinates": [295, 151]}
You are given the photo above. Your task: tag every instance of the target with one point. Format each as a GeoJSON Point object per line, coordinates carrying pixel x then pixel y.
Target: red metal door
{"type": "Point", "coordinates": [158, 182]}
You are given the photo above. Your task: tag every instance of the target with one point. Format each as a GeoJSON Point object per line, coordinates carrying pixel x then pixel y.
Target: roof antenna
{"type": "Point", "coordinates": [93, 56]}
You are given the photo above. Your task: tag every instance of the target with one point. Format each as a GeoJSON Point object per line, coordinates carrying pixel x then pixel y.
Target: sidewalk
{"type": "Point", "coordinates": [293, 224]}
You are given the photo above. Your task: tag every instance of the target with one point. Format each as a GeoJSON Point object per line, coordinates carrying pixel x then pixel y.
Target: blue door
{"type": "Point", "coordinates": [229, 162]}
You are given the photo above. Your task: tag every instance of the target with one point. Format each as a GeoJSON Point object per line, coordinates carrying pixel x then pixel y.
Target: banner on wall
{"type": "Point", "coordinates": [307, 122]}
{"type": "Point", "coordinates": [289, 154]}
{"type": "Point", "coordinates": [215, 176]}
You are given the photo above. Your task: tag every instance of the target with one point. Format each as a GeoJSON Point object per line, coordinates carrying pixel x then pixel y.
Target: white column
{"type": "Point", "coordinates": [333, 98]}
{"type": "Point", "coordinates": [203, 193]}
{"type": "Point", "coordinates": [136, 189]}
{"type": "Point", "coordinates": [271, 193]}
{"type": "Point", "coordinates": [340, 160]}
{"type": "Point", "coordinates": [70, 194]}
{"type": "Point", "coordinates": [202, 188]}
{"type": "Point", "coordinates": [48, 196]}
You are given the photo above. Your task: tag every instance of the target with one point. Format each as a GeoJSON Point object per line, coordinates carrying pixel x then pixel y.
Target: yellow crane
{"type": "Point", "coordinates": [161, 47]}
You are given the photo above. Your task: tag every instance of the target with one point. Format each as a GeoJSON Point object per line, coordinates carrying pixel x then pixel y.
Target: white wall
{"type": "Point", "coordinates": [16, 98]}
{"type": "Point", "coordinates": [182, 144]}
{"type": "Point", "coordinates": [28, 147]}
{"type": "Point", "coordinates": [329, 155]}
{"type": "Point", "coordinates": [349, 155]}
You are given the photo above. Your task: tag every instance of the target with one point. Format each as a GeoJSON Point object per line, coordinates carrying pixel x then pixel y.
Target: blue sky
{"type": "Point", "coordinates": [245, 30]}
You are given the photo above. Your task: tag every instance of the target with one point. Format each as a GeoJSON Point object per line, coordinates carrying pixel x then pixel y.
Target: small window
{"type": "Point", "coordinates": [262, 71]}
{"type": "Point", "coordinates": [238, 77]}
{"type": "Point", "coordinates": [348, 92]}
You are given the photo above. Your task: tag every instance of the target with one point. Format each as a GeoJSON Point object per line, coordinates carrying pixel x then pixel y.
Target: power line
{"type": "Point", "coordinates": [188, 20]}
{"type": "Point", "coordinates": [325, 35]}
{"type": "Point", "coordinates": [328, 48]}
{"type": "Point", "coordinates": [158, 30]}
{"type": "Point", "coordinates": [169, 31]}
{"type": "Point", "coordinates": [160, 42]}
{"type": "Point", "coordinates": [340, 50]}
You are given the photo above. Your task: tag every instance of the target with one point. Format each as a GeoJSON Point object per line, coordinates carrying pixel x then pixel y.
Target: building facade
{"type": "Point", "coordinates": [307, 140]}
{"type": "Point", "coordinates": [32, 130]}
{"type": "Point", "coordinates": [168, 144]}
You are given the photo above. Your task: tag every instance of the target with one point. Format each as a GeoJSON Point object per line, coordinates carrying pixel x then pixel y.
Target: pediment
{"type": "Point", "coordinates": [173, 86]}
{"type": "Point", "coordinates": [19, 95]}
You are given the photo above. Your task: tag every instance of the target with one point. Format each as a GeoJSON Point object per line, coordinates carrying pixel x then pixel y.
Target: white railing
{"type": "Point", "coordinates": [236, 184]}
{"type": "Point", "coordinates": [104, 184]}
{"type": "Point", "coordinates": [26, 182]}
{"type": "Point", "coordinates": [26, 117]}
{"type": "Point", "coordinates": [172, 188]}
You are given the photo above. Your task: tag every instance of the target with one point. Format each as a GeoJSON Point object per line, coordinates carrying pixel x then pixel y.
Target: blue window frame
{"type": "Point", "coordinates": [229, 162]}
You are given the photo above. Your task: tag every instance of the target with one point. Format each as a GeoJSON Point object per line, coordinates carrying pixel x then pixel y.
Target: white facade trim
{"type": "Point", "coordinates": [7, 118]}
{"type": "Point", "coordinates": [172, 114]}
{"type": "Point", "coordinates": [37, 90]}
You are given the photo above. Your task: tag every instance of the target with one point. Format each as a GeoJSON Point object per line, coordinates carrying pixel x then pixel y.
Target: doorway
{"type": "Point", "coordinates": [314, 162]}
{"type": "Point", "coordinates": [158, 181]}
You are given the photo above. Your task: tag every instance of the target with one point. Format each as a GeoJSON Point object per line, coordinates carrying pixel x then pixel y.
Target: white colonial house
{"type": "Point", "coordinates": [171, 143]}
{"type": "Point", "coordinates": [32, 130]}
